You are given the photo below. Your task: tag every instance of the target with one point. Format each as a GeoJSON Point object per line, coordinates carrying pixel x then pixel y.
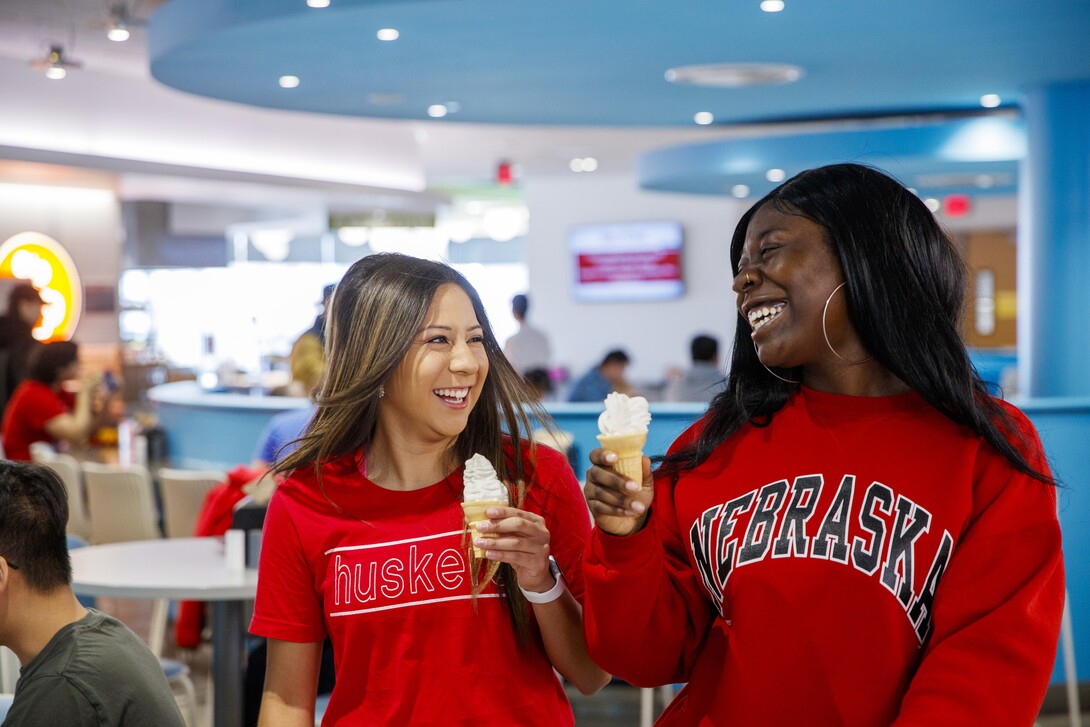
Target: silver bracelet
{"type": "Point", "coordinates": [553, 593]}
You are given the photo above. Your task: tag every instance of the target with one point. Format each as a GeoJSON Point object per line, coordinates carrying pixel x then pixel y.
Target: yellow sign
{"type": "Point", "coordinates": [41, 261]}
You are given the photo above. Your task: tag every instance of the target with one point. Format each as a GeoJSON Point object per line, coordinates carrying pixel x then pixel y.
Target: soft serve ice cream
{"type": "Point", "coordinates": [623, 427]}
{"type": "Point", "coordinates": [483, 490]}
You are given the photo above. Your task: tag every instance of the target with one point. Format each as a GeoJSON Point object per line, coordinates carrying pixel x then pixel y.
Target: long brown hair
{"type": "Point", "coordinates": [376, 311]}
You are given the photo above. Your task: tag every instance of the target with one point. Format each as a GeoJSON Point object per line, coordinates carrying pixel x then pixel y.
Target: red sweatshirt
{"type": "Point", "coordinates": [860, 561]}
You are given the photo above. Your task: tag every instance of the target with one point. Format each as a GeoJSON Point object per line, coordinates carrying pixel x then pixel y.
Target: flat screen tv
{"type": "Point", "coordinates": [626, 261]}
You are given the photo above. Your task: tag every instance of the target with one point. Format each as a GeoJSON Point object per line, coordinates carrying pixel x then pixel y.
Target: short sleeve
{"type": "Point", "coordinates": [287, 606]}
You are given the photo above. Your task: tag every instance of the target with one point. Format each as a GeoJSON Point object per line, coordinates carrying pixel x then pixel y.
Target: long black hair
{"type": "Point", "coordinates": [906, 288]}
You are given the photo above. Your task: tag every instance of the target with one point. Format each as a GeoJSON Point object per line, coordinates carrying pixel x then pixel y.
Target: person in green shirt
{"type": "Point", "coordinates": [79, 667]}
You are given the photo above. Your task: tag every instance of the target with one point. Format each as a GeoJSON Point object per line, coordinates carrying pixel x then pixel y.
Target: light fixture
{"type": "Point", "coordinates": [583, 164]}
{"type": "Point", "coordinates": [388, 34]}
{"type": "Point", "coordinates": [289, 81]}
{"type": "Point", "coordinates": [775, 175]}
{"type": "Point", "coordinates": [772, 6]}
{"type": "Point", "coordinates": [55, 64]}
{"type": "Point", "coordinates": [734, 75]}
{"type": "Point", "coordinates": [318, 3]}
{"type": "Point", "coordinates": [741, 191]}
{"type": "Point", "coordinates": [121, 23]}
{"type": "Point", "coordinates": [437, 111]}
{"type": "Point", "coordinates": [703, 117]}
{"type": "Point", "coordinates": [990, 100]}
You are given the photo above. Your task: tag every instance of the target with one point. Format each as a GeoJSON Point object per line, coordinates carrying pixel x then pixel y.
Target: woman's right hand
{"type": "Point", "coordinates": [618, 504]}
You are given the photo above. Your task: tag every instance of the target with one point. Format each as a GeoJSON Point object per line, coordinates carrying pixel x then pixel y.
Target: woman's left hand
{"type": "Point", "coordinates": [521, 539]}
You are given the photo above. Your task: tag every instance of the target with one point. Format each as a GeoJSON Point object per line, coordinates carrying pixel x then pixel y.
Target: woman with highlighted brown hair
{"type": "Point", "coordinates": [365, 538]}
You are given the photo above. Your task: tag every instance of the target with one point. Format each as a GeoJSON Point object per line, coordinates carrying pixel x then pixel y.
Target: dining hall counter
{"type": "Point", "coordinates": [220, 430]}
{"type": "Point", "coordinates": [213, 429]}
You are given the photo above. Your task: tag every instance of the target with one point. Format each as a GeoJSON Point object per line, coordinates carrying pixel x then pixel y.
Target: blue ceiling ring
{"type": "Point", "coordinates": [977, 155]}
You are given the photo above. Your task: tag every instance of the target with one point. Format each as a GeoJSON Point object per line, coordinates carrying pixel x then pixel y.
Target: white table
{"type": "Point", "coordinates": [180, 568]}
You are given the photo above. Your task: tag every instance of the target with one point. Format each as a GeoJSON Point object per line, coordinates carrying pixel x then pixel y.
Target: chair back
{"type": "Point", "coordinates": [120, 502]}
{"type": "Point", "coordinates": [68, 469]}
{"type": "Point", "coordinates": [183, 494]}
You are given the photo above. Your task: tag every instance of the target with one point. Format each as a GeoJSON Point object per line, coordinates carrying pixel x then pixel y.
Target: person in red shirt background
{"type": "Point", "coordinates": [41, 411]}
{"type": "Point", "coordinates": [365, 539]}
{"type": "Point", "coordinates": [856, 533]}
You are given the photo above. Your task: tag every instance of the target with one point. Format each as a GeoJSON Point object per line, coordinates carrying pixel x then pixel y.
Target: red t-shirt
{"type": "Point", "coordinates": [386, 576]}
{"type": "Point", "coordinates": [32, 405]}
{"type": "Point", "coordinates": [859, 562]}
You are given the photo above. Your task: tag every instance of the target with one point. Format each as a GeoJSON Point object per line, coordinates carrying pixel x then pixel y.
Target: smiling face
{"type": "Point", "coordinates": [787, 271]}
{"type": "Point", "coordinates": [438, 382]}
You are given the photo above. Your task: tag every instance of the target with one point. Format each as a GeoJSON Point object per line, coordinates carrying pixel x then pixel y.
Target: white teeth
{"type": "Point", "coordinates": [762, 315]}
{"type": "Point", "coordinates": [458, 394]}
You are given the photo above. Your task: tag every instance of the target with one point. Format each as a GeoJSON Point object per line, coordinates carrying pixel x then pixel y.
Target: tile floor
{"type": "Point", "coordinates": [618, 705]}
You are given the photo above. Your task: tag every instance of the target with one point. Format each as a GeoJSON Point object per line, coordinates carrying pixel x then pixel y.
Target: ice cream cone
{"type": "Point", "coordinates": [474, 511]}
{"type": "Point", "coordinates": [629, 451]}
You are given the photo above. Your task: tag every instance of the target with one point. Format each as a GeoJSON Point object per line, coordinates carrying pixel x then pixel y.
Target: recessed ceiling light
{"type": "Point", "coordinates": [388, 34]}
{"type": "Point", "coordinates": [734, 75]}
{"type": "Point", "coordinates": [576, 165]}
{"type": "Point", "coordinates": [437, 111]}
{"type": "Point", "coordinates": [740, 191]}
{"type": "Point", "coordinates": [318, 3]}
{"type": "Point", "coordinates": [990, 100]}
{"type": "Point", "coordinates": [703, 117]}
{"type": "Point", "coordinates": [289, 81]}
{"type": "Point", "coordinates": [932, 204]}
{"type": "Point", "coordinates": [118, 33]}
{"type": "Point", "coordinates": [775, 175]}
{"type": "Point", "coordinates": [56, 73]}
{"type": "Point", "coordinates": [772, 6]}
{"type": "Point", "coordinates": [590, 164]}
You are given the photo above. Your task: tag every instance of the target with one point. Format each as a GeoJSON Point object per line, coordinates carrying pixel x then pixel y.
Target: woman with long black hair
{"type": "Point", "coordinates": [855, 533]}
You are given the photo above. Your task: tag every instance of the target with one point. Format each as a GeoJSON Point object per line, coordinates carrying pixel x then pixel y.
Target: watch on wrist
{"type": "Point", "coordinates": [553, 593]}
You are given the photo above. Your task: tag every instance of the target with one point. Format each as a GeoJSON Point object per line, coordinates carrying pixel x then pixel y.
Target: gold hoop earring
{"type": "Point", "coordinates": [758, 353]}
{"type": "Point", "coordinates": [825, 331]}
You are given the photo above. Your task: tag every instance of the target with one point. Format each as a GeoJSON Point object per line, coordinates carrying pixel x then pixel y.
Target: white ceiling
{"type": "Point", "coordinates": [160, 143]}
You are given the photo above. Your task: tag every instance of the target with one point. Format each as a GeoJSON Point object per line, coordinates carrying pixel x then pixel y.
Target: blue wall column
{"type": "Point", "coordinates": [1054, 244]}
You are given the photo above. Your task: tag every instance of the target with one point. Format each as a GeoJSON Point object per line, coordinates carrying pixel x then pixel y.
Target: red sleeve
{"type": "Point", "coordinates": [41, 405]}
{"type": "Point", "coordinates": [287, 606]}
{"type": "Point", "coordinates": [645, 614]}
{"type": "Point", "coordinates": [997, 609]}
{"type": "Point", "coordinates": [556, 496]}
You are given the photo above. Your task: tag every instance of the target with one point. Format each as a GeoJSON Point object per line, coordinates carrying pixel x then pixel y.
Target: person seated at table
{"type": "Point", "coordinates": [365, 539]}
{"type": "Point", "coordinates": [704, 379]}
{"type": "Point", "coordinates": [606, 377]}
{"type": "Point", "coordinates": [40, 410]}
{"type": "Point", "coordinates": [78, 666]}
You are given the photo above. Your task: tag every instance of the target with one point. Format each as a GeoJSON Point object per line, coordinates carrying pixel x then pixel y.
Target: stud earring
{"type": "Point", "coordinates": [381, 391]}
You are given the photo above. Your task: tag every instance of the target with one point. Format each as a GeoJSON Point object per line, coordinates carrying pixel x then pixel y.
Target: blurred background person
{"type": "Point", "coordinates": [78, 666]}
{"type": "Point", "coordinates": [703, 380]}
{"type": "Point", "coordinates": [16, 337]}
{"type": "Point", "coordinates": [307, 357]}
{"type": "Point", "coordinates": [609, 375]}
{"type": "Point", "coordinates": [529, 348]}
{"type": "Point", "coordinates": [41, 410]}
{"type": "Point", "coordinates": [539, 382]}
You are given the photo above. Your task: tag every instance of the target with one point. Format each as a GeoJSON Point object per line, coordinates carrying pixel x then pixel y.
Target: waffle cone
{"type": "Point", "coordinates": [475, 513]}
{"type": "Point", "coordinates": [629, 451]}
